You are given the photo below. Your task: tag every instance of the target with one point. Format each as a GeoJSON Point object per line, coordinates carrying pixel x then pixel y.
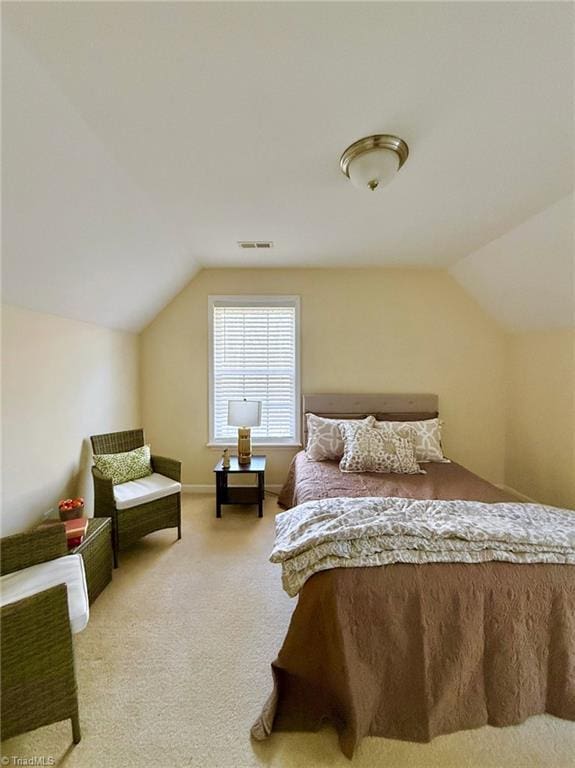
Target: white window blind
{"type": "Point", "coordinates": [254, 355]}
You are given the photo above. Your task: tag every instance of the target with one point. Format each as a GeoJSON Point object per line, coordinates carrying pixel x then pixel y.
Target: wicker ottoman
{"type": "Point", "coordinates": [96, 551]}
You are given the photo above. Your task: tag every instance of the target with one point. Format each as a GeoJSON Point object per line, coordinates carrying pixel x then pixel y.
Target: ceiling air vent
{"type": "Point", "coordinates": [255, 244]}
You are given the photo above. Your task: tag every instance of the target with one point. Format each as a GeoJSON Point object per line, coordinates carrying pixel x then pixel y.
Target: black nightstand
{"type": "Point", "coordinates": [240, 494]}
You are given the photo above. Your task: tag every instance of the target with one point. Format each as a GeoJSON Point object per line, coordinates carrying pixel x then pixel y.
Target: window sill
{"type": "Point", "coordinates": [256, 446]}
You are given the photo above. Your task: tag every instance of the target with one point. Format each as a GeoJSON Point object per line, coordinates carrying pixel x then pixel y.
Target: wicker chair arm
{"type": "Point", "coordinates": [104, 502]}
{"type": "Point", "coordinates": [45, 604]}
{"type": "Point", "coordinates": [171, 468]}
{"type": "Point", "coordinates": [23, 550]}
{"type": "Point", "coordinates": [38, 679]}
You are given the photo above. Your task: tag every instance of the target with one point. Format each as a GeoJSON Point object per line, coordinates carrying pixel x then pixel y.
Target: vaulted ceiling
{"type": "Point", "coordinates": [143, 140]}
{"type": "Point", "coordinates": [526, 277]}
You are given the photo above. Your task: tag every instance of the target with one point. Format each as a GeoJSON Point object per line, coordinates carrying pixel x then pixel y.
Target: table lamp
{"type": "Point", "coordinates": [244, 414]}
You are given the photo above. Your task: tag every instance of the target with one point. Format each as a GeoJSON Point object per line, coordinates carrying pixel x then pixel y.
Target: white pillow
{"type": "Point", "coordinates": [324, 440]}
{"type": "Point", "coordinates": [389, 448]}
{"type": "Point", "coordinates": [427, 439]}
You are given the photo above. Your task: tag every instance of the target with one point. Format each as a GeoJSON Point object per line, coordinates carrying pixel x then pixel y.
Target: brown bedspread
{"type": "Point", "coordinates": [309, 480]}
{"type": "Point", "coordinates": [413, 651]}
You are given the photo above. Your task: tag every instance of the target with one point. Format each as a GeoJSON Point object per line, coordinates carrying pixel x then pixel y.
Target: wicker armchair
{"type": "Point", "coordinates": [129, 525]}
{"type": "Point", "coordinates": [38, 677]}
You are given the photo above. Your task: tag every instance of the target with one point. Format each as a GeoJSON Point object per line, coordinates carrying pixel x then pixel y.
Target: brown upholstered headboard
{"type": "Point", "coordinates": [402, 406]}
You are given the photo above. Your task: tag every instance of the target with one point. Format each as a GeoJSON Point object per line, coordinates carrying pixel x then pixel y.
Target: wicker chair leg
{"type": "Point", "coordinates": [76, 733]}
{"type": "Point", "coordinates": [179, 517]}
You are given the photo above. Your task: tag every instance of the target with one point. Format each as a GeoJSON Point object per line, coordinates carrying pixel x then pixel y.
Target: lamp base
{"type": "Point", "coordinates": [244, 445]}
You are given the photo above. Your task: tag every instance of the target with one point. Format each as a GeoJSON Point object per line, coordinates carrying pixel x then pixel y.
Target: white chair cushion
{"type": "Point", "coordinates": [145, 489]}
{"type": "Point", "coordinates": [68, 570]}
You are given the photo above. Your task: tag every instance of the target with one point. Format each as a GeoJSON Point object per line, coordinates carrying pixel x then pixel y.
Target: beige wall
{"type": "Point", "coordinates": [365, 330]}
{"type": "Point", "coordinates": [540, 444]}
{"type": "Point", "coordinates": [377, 330]}
{"type": "Point", "coordinates": [62, 381]}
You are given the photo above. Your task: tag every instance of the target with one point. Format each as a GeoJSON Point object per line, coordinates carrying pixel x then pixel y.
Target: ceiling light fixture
{"type": "Point", "coordinates": [371, 163]}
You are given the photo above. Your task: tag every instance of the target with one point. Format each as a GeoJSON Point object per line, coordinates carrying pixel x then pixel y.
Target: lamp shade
{"type": "Point", "coordinates": [244, 413]}
{"type": "Point", "coordinates": [374, 169]}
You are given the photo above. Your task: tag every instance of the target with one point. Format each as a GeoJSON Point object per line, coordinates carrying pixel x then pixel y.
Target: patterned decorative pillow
{"type": "Point", "coordinates": [324, 440]}
{"type": "Point", "coordinates": [123, 467]}
{"type": "Point", "coordinates": [427, 439]}
{"type": "Point", "coordinates": [370, 448]}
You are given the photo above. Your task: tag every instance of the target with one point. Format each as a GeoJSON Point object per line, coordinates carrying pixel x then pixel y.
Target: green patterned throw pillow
{"type": "Point", "coordinates": [123, 467]}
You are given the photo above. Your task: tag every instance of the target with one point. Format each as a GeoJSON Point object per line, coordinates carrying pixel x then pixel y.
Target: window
{"type": "Point", "coordinates": [254, 353]}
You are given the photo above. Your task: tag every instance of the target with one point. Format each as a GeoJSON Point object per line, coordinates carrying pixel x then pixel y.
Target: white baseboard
{"type": "Point", "coordinates": [198, 488]}
{"type": "Point", "coordinates": [513, 492]}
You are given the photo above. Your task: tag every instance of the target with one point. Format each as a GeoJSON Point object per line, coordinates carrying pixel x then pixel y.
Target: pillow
{"type": "Point", "coordinates": [370, 448]}
{"type": "Point", "coordinates": [427, 439]}
{"type": "Point", "coordinates": [324, 440]}
{"type": "Point", "coordinates": [123, 467]}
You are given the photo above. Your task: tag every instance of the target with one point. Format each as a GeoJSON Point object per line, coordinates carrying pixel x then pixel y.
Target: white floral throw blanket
{"type": "Point", "coordinates": [352, 532]}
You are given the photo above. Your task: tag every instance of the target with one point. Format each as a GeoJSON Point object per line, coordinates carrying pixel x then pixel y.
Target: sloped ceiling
{"type": "Point", "coordinates": [143, 140]}
{"type": "Point", "coordinates": [80, 238]}
{"type": "Point", "coordinates": [526, 278]}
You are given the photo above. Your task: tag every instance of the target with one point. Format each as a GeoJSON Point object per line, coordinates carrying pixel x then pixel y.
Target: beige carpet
{"type": "Point", "coordinates": [174, 667]}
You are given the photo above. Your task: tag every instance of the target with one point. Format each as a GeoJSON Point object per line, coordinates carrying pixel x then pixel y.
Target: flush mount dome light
{"type": "Point", "coordinates": [371, 163]}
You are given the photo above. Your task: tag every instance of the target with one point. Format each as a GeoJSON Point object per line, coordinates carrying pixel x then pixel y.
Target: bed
{"type": "Point", "coordinates": [309, 480]}
{"type": "Point", "coordinates": [410, 651]}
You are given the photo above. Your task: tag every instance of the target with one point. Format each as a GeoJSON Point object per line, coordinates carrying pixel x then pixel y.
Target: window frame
{"type": "Point", "coordinates": [249, 300]}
